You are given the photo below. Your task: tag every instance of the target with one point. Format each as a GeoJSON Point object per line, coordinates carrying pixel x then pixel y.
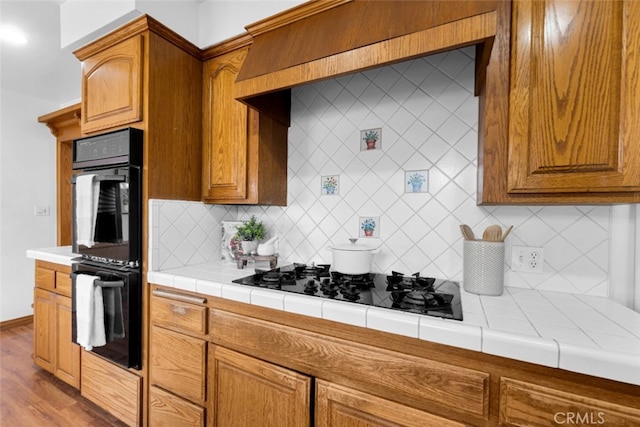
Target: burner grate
{"type": "Point", "coordinates": [414, 293]}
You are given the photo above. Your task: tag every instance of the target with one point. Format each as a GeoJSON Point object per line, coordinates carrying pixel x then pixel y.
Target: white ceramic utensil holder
{"type": "Point", "coordinates": [483, 267]}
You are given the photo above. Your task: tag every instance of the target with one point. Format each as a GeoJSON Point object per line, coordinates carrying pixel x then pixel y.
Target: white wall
{"type": "Point", "coordinates": [81, 19]}
{"type": "Point", "coordinates": [203, 23]}
{"type": "Point", "coordinates": [27, 179]}
{"type": "Point", "coordinates": [223, 19]}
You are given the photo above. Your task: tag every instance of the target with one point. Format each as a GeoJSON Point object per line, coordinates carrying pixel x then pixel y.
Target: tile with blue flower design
{"type": "Point", "coordinates": [370, 226]}
{"type": "Point", "coordinates": [330, 185]}
{"type": "Point", "coordinates": [416, 181]}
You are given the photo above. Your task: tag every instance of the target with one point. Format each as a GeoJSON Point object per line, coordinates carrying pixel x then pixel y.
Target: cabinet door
{"type": "Point", "coordinates": [44, 329]}
{"type": "Point", "coordinates": [339, 406]}
{"type": "Point", "coordinates": [177, 363]}
{"type": "Point", "coordinates": [67, 354]}
{"type": "Point", "coordinates": [112, 86]}
{"type": "Point", "coordinates": [225, 150]}
{"type": "Point", "coordinates": [575, 99]}
{"type": "Point", "coordinates": [249, 392]}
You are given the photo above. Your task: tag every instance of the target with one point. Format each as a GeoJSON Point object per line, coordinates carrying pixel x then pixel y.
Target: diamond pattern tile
{"type": "Point", "coordinates": [428, 116]}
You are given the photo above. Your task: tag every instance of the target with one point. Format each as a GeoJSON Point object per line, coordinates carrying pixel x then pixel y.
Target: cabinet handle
{"type": "Point", "coordinates": [179, 297]}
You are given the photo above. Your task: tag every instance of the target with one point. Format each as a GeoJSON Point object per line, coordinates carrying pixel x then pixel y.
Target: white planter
{"type": "Point", "coordinates": [249, 247]}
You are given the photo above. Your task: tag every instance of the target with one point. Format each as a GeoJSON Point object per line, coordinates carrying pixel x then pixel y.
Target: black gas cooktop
{"type": "Point", "coordinates": [414, 293]}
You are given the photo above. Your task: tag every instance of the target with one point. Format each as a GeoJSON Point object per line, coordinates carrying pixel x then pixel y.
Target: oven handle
{"type": "Point", "coordinates": [119, 178]}
{"type": "Point", "coordinates": [103, 283]}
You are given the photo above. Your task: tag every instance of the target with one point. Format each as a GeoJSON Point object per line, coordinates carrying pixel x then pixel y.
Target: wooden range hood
{"type": "Point", "coordinates": [328, 38]}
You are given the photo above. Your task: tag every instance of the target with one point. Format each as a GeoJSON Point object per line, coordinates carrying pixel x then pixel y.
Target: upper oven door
{"type": "Point", "coordinates": [107, 224]}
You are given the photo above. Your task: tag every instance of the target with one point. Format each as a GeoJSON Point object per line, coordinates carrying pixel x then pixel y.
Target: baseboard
{"type": "Point", "coordinates": [20, 321]}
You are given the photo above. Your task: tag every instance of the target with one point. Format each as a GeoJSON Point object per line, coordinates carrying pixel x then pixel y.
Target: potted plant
{"type": "Point", "coordinates": [368, 225]}
{"type": "Point", "coordinates": [370, 137]}
{"type": "Point", "coordinates": [330, 184]}
{"type": "Point", "coordinates": [416, 180]}
{"type": "Point", "coordinates": [249, 233]}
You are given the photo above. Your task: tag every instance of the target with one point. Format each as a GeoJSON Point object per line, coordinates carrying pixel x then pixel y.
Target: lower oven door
{"type": "Point", "coordinates": [121, 308]}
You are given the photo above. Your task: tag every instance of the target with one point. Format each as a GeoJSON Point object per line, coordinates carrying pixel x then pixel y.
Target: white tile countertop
{"type": "Point", "coordinates": [589, 335]}
{"type": "Point", "coordinates": [58, 255]}
{"type": "Point", "coordinates": [585, 334]}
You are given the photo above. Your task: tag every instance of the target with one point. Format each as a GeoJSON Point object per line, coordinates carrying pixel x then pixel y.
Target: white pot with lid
{"type": "Point", "coordinates": [352, 258]}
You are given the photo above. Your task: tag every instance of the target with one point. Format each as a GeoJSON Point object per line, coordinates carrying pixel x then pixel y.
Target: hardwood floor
{"type": "Point", "coordinates": [30, 396]}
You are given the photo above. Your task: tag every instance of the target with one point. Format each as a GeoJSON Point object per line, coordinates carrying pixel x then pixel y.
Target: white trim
{"type": "Point", "coordinates": [623, 277]}
{"type": "Point", "coordinates": [636, 263]}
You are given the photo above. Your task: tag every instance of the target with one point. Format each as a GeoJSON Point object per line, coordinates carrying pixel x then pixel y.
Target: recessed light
{"type": "Point", "coordinates": [12, 35]}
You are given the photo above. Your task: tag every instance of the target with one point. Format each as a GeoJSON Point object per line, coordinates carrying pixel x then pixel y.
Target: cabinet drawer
{"type": "Point", "coordinates": [525, 404]}
{"type": "Point", "coordinates": [63, 284]}
{"type": "Point", "coordinates": [165, 409]}
{"type": "Point", "coordinates": [341, 406]}
{"type": "Point", "coordinates": [112, 388]}
{"type": "Point", "coordinates": [174, 310]}
{"type": "Point", "coordinates": [178, 363]}
{"type": "Point", "coordinates": [45, 278]}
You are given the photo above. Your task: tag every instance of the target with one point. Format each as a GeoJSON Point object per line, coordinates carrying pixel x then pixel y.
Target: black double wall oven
{"type": "Point", "coordinates": [107, 233]}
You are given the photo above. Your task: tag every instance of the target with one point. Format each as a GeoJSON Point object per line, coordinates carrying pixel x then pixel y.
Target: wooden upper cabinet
{"type": "Point", "coordinates": [244, 152]}
{"type": "Point", "coordinates": [112, 86]}
{"type": "Point", "coordinates": [574, 97]}
{"type": "Point", "coordinates": [64, 124]}
{"type": "Point", "coordinates": [225, 131]}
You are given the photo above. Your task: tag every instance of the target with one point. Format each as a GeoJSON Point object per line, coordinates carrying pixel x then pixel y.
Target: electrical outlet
{"type": "Point", "coordinates": [527, 259]}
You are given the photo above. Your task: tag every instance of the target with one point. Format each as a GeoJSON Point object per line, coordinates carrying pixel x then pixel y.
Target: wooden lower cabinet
{"type": "Point", "coordinates": [113, 388]}
{"type": "Point", "coordinates": [177, 359]}
{"type": "Point", "coordinates": [262, 367]}
{"type": "Point", "coordinates": [338, 406]}
{"type": "Point", "coordinates": [526, 404]}
{"type": "Point", "coordinates": [53, 347]}
{"type": "Point", "coordinates": [245, 391]}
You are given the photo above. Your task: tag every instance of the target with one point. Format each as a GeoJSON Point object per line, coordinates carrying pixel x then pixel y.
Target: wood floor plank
{"type": "Point", "coordinates": [30, 396]}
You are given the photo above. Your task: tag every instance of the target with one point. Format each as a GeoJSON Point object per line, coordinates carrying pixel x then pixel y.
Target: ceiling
{"type": "Point", "coordinates": [40, 68]}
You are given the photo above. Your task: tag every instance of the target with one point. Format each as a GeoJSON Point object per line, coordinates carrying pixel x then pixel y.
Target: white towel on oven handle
{"type": "Point", "coordinates": [89, 313]}
{"type": "Point", "coordinates": [87, 196]}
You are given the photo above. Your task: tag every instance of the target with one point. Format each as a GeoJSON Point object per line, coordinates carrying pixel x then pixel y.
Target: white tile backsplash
{"type": "Point", "coordinates": [428, 116]}
{"type": "Point", "coordinates": [185, 233]}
